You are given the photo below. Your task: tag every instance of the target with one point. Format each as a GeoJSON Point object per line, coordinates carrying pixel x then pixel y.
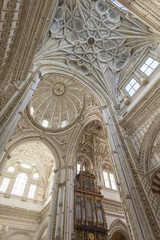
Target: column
{"type": "Point", "coordinates": [135, 213]}
{"type": "Point", "coordinates": [69, 209]}
{"type": "Point", "coordinates": [8, 128]}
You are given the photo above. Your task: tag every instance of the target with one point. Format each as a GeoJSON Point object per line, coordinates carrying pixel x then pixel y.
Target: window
{"type": "Point", "coordinates": [109, 180]}
{"type": "Point", "coordinates": [50, 188]}
{"type": "Point", "coordinates": [106, 180]}
{"type": "Point", "coordinates": [78, 168]}
{"type": "Point", "coordinates": [11, 169]}
{"type": "Point", "coordinates": [4, 184]}
{"type": "Point", "coordinates": [19, 184]}
{"type": "Point", "coordinates": [119, 5]}
{"type": "Point", "coordinates": [45, 123]}
{"type": "Point", "coordinates": [32, 190]}
{"type": "Point", "coordinates": [149, 66]}
{"type": "Point", "coordinates": [113, 182]}
{"type": "Point", "coordinates": [132, 87]}
{"type": "Point", "coordinates": [25, 166]}
{"type": "Point", "coordinates": [35, 175]}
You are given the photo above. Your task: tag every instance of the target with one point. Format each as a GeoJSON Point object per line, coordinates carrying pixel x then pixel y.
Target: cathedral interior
{"type": "Point", "coordinates": [79, 120]}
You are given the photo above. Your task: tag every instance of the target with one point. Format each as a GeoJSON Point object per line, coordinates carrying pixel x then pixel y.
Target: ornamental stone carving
{"type": "Point", "coordinates": [92, 38]}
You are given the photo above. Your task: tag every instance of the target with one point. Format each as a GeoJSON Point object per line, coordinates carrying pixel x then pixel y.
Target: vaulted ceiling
{"type": "Point", "coordinates": [96, 39]}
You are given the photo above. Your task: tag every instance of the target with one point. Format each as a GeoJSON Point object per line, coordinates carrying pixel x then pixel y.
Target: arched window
{"type": "Point", "coordinates": [4, 185]}
{"type": "Point", "coordinates": [19, 184]}
{"type": "Point", "coordinates": [32, 191]}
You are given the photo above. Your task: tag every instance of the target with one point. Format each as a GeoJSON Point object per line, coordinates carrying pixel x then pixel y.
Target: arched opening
{"type": "Point", "coordinates": [26, 186]}
{"type": "Point", "coordinates": [119, 236]}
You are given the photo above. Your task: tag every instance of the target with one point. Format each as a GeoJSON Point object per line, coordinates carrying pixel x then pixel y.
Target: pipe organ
{"type": "Point", "coordinates": [89, 217]}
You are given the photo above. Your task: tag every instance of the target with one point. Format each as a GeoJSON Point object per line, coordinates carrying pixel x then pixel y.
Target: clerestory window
{"type": "Point", "coordinates": [4, 184]}
{"type": "Point", "coordinates": [32, 191]}
{"type": "Point", "coordinates": [132, 87]}
{"type": "Point", "coordinates": [109, 180]}
{"type": "Point", "coordinates": [149, 66]}
{"type": "Point", "coordinates": [19, 184]}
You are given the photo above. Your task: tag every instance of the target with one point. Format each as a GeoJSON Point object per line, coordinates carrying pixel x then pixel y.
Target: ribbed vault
{"type": "Point", "coordinates": [95, 40]}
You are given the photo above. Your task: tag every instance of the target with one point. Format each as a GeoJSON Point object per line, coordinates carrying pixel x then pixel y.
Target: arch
{"type": "Point", "coordinates": [71, 155]}
{"type": "Point", "coordinates": [41, 230]}
{"type": "Point", "coordinates": [156, 182]}
{"type": "Point", "coordinates": [147, 144]}
{"type": "Point", "coordinates": [17, 234]}
{"type": "Point", "coordinates": [119, 226]}
{"type": "Point", "coordinates": [80, 155]}
{"type": "Point", "coordinates": [85, 81]}
{"type": "Point", "coordinates": [34, 136]}
{"type": "Point", "coordinates": [118, 235]}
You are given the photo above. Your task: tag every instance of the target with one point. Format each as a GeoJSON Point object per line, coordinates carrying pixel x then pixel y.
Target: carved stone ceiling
{"type": "Point", "coordinates": [95, 40]}
{"type": "Point", "coordinates": [57, 103]}
{"type": "Point", "coordinates": [34, 153]}
{"type": "Point", "coordinates": [93, 144]}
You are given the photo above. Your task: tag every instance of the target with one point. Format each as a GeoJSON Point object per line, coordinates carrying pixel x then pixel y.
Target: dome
{"type": "Point", "coordinates": [57, 103]}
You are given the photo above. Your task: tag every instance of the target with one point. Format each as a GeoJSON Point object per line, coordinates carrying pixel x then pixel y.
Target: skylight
{"type": "Point", "coordinates": [119, 5]}
{"type": "Point", "coordinates": [32, 190]}
{"type": "Point", "coordinates": [4, 184]}
{"type": "Point", "coordinates": [149, 66]}
{"type": "Point", "coordinates": [132, 87]}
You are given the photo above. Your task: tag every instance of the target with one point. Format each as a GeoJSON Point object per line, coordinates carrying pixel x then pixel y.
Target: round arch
{"type": "Point", "coordinates": [86, 82]}
{"type": "Point", "coordinates": [34, 136]}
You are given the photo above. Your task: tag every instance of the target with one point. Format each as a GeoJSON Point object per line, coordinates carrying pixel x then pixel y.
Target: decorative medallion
{"type": "Point", "coordinates": [59, 89]}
